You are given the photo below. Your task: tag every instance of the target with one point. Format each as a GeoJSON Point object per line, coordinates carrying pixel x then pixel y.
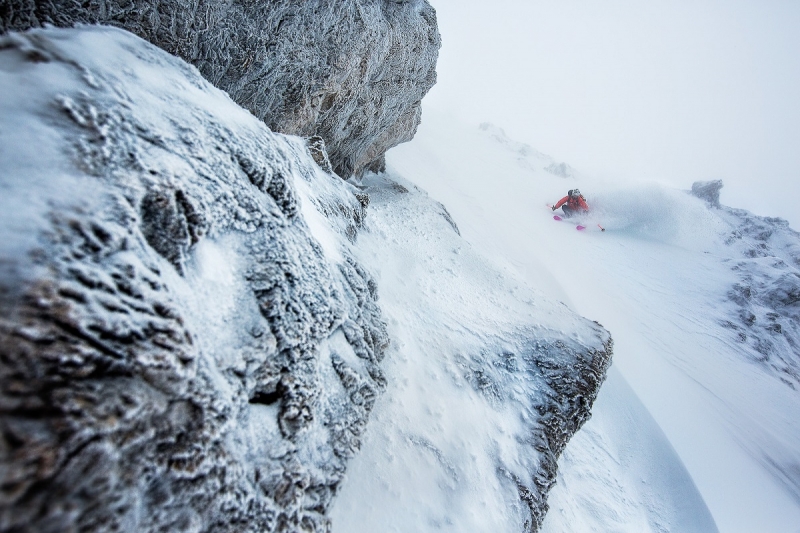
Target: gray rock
{"type": "Point", "coordinates": [351, 71]}
{"type": "Point", "coordinates": [571, 376]}
{"type": "Point", "coordinates": [708, 191]}
{"type": "Point", "coordinates": [178, 352]}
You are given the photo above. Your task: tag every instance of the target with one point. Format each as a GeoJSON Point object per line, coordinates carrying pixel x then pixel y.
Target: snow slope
{"type": "Point", "coordinates": [471, 370]}
{"type": "Point", "coordinates": [706, 435]}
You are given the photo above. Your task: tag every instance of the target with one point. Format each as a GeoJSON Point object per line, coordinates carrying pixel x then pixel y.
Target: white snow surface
{"type": "Point", "coordinates": [691, 432]}
{"type": "Point", "coordinates": [440, 447]}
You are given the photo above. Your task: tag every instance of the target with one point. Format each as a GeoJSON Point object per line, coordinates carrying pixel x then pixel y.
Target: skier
{"type": "Point", "coordinates": [572, 203]}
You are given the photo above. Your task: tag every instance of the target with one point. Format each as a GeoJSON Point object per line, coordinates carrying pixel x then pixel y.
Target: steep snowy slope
{"type": "Point", "coordinates": [466, 437]}
{"type": "Point", "coordinates": [190, 331]}
{"type": "Point", "coordinates": [702, 303]}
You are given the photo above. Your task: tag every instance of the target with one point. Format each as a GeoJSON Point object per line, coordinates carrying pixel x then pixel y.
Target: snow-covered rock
{"type": "Point", "coordinates": [190, 337]}
{"type": "Point", "coordinates": [767, 294]}
{"type": "Point", "coordinates": [351, 71]}
{"type": "Point", "coordinates": [708, 191]}
{"type": "Point", "coordinates": [179, 351]}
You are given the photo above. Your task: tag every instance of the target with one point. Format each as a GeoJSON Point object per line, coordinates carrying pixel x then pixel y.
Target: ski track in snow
{"type": "Point", "coordinates": [688, 433]}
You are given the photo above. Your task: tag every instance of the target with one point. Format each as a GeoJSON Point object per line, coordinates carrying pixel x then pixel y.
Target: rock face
{"type": "Point", "coordinates": [351, 71]}
{"type": "Point", "coordinates": [767, 295]}
{"type": "Point", "coordinates": [708, 191]}
{"type": "Point", "coordinates": [178, 351]}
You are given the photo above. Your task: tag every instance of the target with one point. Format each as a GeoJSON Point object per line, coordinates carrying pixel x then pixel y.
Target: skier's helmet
{"type": "Point", "coordinates": [575, 192]}
{"type": "Point", "coordinates": [569, 192]}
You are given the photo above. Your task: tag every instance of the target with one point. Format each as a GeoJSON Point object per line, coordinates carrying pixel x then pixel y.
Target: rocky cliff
{"type": "Point", "coordinates": [351, 71]}
{"type": "Point", "coordinates": [178, 351]}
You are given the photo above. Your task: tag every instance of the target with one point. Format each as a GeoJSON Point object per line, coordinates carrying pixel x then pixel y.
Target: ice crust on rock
{"type": "Point", "coordinates": [179, 350]}
{"type": "Point", "coordinates": [767, 295]}
{"type": "Point", "coordinates": [353, 71]}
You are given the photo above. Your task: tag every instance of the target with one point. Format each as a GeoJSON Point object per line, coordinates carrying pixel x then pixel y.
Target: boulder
{"type": "Point", "coordinates": [708, 191]}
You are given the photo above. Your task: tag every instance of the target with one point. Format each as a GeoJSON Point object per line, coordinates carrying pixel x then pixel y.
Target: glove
{"type": "Point", "coordinates": [553, 208]}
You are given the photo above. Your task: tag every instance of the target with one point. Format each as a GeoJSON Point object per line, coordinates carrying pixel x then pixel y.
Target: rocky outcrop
{"type": "Point", "coordinates": [351, 71]}
{"type": "Point", "coordinates": [767, 293]}
{"type": "Point", "coordinates": [178, 351]}
{"type": "Point", "coordinates": [571, 376]}
{"type": "Point", "coordinates": [708, 191]}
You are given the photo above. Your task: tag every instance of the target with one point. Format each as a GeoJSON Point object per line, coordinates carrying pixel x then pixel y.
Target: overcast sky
{"type": "Point", "coordinates": [674, 91]}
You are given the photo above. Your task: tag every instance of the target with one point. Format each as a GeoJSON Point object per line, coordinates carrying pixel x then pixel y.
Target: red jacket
{"type": "Point", "coordinates": [573, 202]}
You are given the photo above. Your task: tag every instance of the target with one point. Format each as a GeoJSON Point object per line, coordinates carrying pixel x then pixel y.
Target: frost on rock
{"type": "Point", "coordinates": [571, 375]}
{"type": "Point", "coordinates": [178, 351]}
{"type": "Point", "coordinates": [767, 295]}
{"type": "Point", "coordinates": [351, 71]}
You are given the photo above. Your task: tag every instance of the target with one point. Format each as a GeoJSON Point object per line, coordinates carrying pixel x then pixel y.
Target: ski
{"type": "Point", "coordinates": [579, 227]}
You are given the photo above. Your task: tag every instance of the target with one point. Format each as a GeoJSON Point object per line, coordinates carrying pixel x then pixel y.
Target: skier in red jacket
{"type": "Point", "coordinates": [572, 203]}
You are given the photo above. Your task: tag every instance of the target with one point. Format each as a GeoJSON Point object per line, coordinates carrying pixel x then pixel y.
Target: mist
{"type": "Point", "coordinates": [671, 92]}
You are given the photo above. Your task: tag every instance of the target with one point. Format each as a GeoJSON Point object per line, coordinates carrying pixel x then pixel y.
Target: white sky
{"type": "Point", "coordinates": [675, 91]}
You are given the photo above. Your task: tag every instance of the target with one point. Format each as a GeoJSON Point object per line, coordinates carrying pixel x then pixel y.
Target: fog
{"type": "Point", "coordinates": [672, 91]}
